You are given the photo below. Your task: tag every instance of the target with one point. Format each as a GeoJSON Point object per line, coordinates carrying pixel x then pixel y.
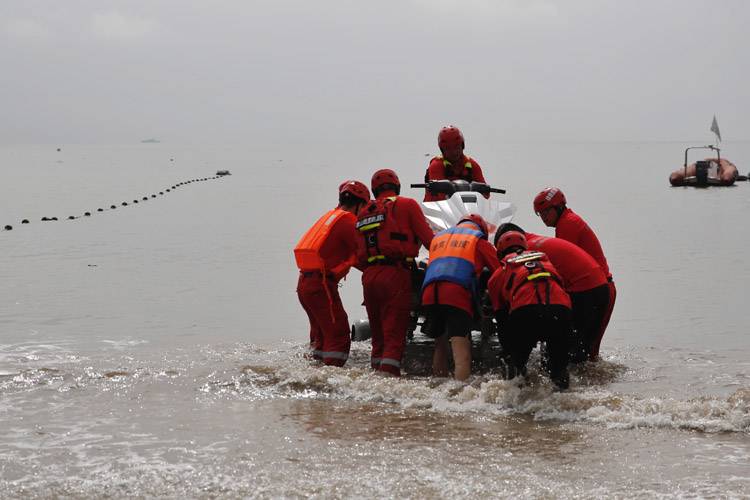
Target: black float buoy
{"type": "Point", "coordinates": [112, 207]}
{"type": "Point", "coordinates": [71, 217]}
{"type": "Point", "coordinates": [100, 210]}
{"type": "Point", "coordinates": [25, 221]}
{"type": "Point", "coordinates": [161, 192]}
{"type": "Point", "coordinates": [44, 219]}
{"type": "Point", "coordinates": [58, 149]}
{"type": "Point", "coordinates": [124, 203]}
{"type": "Point", "coordinates": [153, 196]}
{"type": "Point", "coordinates": [8, 228]}
{"type": "Point", "coordinates": [53, 218]}
{"type": "Point", "coordinates": [87, 214]}
{"type": "Point", "coordinates": [135, 201]}
{"type": "Point", "coordinates": [145, 198]}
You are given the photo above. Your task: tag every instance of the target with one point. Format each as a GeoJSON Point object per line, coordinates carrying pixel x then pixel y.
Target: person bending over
{"type": "Point", "coordinates": [451, 294]}
{"type": "Point", "coordinates": [530, 306]}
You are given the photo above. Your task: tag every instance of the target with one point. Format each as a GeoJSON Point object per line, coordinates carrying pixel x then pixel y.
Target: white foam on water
{"type": "Point", "coordinates": [124, 343]}
{"type": "Point", "coordinates": [254, 373]}
{"type": "Point", "coordinates": [588, 401]}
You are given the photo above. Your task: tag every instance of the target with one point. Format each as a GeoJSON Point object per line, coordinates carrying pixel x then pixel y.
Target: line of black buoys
{"type": "Point", "coordinates": [124, 203]}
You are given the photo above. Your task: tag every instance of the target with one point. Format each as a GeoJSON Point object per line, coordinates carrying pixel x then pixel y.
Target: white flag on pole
{"type": "Point", "coordinates": [715, 128]}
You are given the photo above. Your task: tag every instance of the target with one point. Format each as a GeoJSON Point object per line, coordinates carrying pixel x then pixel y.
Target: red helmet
{"type": "Point", "coordinates": [550, 197]}
{"type": "Point", "coordinates": [356, 189]}
{"type": "Point", "coordinates": [511, 239]}
{"type": "Point", "coordinates": [478, 220]}
{"type": "Point", "coordinates": [384, 176]}
{"type": "Point", "coordinates": [450, 137]}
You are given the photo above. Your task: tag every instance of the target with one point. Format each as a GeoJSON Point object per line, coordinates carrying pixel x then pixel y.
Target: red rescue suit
{"type": "Point", "coordinates": [391, 230]}
{"type": "Point", "coordinates": [571, 227]}
{"type": "Point", "coordinates": [440, 168]}
{"type": "Point", "coordinates": [324, 255]}
{"type": "Point", "coordinates": [528, 287]}
{"type": "Point", "coordinates": [588, 288]}
{"type": "Point", "coordinates": [524, 279]}
{"type": "Point", "coordinates": [578, 270]}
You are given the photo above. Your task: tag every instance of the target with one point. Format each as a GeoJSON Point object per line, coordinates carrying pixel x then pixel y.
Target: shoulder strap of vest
{"type": "Point", "coordinates": [536, 273]}
{"type": "Point", "coordinates": [367, 219]}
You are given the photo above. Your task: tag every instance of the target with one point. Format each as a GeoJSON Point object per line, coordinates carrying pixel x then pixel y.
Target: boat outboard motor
{"type": "Point", "coordinates": [361, 330]}
{"type": "Point", "coordinates": [701, 172]}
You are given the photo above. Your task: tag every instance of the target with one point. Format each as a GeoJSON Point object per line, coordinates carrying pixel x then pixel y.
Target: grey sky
{"type": "Point", "coordinates": [372, 72]}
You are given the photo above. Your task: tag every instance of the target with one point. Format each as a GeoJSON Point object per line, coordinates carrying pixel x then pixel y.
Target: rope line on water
{"type": "Point", "coordinates": [113, 206]}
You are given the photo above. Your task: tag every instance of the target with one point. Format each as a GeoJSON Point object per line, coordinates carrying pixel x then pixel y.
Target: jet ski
{"type": "Point", "coordinates": [462, 198]}
{"type": "Point", "coordinates": [708, 172]}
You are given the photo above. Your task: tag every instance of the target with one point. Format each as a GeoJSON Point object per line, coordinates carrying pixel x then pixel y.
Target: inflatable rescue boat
{"type": "Point", "coordinates": [708, 172]}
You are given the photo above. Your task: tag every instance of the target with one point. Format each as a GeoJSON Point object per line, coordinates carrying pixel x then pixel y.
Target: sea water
{"type": "Point", "coordinates": [158, 348]}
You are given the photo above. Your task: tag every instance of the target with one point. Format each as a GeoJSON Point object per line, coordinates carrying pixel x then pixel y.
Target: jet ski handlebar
{"type": "Point", "coordinates": [449, 187]}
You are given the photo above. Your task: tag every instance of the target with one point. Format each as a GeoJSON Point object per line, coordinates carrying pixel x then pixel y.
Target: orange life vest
{"type": "Point", "coordinates": [453, 256]}
{"type": "Point", "coordinates": [307, 251]}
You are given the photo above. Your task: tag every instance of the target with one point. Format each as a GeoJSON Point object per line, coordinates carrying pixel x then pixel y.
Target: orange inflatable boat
{"type": "Point", "coordinates": [708, 172]}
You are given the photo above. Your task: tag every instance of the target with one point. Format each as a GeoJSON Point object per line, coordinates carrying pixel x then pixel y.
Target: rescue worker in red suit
{"type": "Point", "coordinates": [453, 164]}
{"type": "Point", "coordinates": [450, 291]}
{"type": "Point", "coordinates": [584, 281]}
{"type": "Point", "coordinates": [392, 228]}
{"type": "Point", "coordinates": [551, 206]}
{"type": "Point", "coordinates": [530, 306]}
{"type": "Point", "coordinates": [324, 255]}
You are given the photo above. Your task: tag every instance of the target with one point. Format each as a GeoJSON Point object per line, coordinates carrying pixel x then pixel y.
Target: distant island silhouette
{"type": "Point", "coordinates": [150, 141]}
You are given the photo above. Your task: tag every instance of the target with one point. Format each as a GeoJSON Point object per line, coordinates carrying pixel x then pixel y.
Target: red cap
{"type": "Point", "coordinates": [450, 137]}
{"type": "Point", "coordinates": [550, 197]}
{"type": "Point", "coordinates": [384, 176]}
{"type": "Point", "coordinates": [511, 239]}
{"type": "Point", "coordinates": [356, 189]}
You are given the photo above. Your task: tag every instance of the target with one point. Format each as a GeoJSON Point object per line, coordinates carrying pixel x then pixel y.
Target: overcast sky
{"type": "Point", "coordinates": [74, 71]}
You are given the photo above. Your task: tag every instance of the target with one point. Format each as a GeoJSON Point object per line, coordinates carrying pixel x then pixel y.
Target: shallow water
{"type": "Point", "coordinates": [157, 349]}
